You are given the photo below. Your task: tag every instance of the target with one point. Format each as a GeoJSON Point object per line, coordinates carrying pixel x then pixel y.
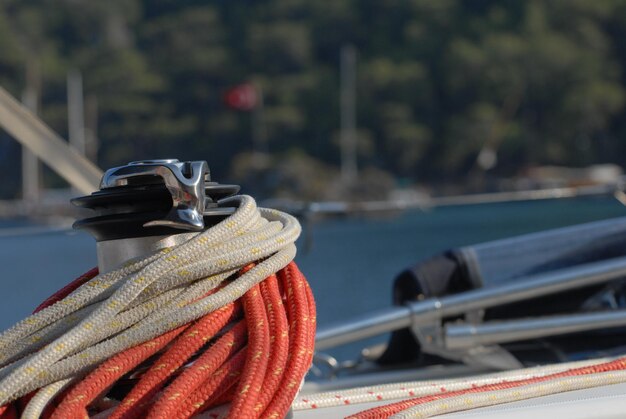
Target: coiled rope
{"type": "Point", "coordinates": [229, 299]}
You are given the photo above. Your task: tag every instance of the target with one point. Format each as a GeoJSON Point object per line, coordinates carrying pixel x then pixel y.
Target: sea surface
{"type": "Point", "coordinates": [349, 262]}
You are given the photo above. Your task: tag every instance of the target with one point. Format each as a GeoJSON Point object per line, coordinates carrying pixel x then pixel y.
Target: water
{"type": "Point", "coordinates": [350, 265]}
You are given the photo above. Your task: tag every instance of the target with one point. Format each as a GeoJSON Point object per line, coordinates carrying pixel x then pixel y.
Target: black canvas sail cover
{"type": "Point", "coordinates": [512, 259]}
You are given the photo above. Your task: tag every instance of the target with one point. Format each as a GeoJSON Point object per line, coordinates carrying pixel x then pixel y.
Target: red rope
{"type": "Point", "coordinates": [202, 369]}
{"type": "Point", "coordinates": [218, 399]}
{"type": "Point", "coordinates": [74, 404]}
{"type": "Point", "coordinates": [8, 411]}
{"type": "Point", "coordinates": [218, 388]}
{"type": "Point", "coordinates": [253, 374]}
{"type": "Point", "coordinates": [279, 341]}
{"type": "Point", "coordinates": [138, 400]}
{"type": "Point", "coordinates": [301, 341]}
{"type": "Point", "coordinates": [207, 363]}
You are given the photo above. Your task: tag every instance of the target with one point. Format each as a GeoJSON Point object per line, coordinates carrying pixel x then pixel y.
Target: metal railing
{"type": "Point", "coordinates": [432, 311]}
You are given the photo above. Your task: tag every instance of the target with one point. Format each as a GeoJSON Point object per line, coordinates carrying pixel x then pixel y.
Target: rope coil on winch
{"type": "Point", "coordinates": [174, 302]}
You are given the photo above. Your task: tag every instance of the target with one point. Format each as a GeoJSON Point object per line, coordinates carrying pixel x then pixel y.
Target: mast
{"type": "Point", "coordinates": [31, 169]}
{"type": "Point", "coordinates": [348, 114]}
{"type": "Point", "coordinates": [75, 111]}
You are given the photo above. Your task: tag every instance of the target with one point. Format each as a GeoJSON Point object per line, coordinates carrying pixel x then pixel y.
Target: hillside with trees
{"type": "Point", "coordinates": [438, 81]}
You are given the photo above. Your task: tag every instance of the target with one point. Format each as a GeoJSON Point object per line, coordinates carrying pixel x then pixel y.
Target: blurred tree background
{"type": "Point", "coordinates": [438, 81]}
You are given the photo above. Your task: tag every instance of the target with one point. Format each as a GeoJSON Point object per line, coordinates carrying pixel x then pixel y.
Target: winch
{"type": "Point", "coordinates": [149, 205]}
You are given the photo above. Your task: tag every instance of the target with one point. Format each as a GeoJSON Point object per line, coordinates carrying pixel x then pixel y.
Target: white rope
{"type": "Point", "coordinates": [118, 310]}
{"type": "Point", "coordinates": [412, 389]}
{"type": "Point", "coordinates": [38, 403]}
{"type": "Point", "coordinates": [490, 398]}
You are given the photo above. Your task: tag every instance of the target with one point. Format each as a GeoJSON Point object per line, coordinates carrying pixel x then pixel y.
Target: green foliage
{"type": "Point", "coordinates": [438, 80]}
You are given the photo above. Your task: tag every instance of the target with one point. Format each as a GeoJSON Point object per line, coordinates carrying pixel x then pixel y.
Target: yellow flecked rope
{"type": "Point", "coordinates": [116, 310]}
